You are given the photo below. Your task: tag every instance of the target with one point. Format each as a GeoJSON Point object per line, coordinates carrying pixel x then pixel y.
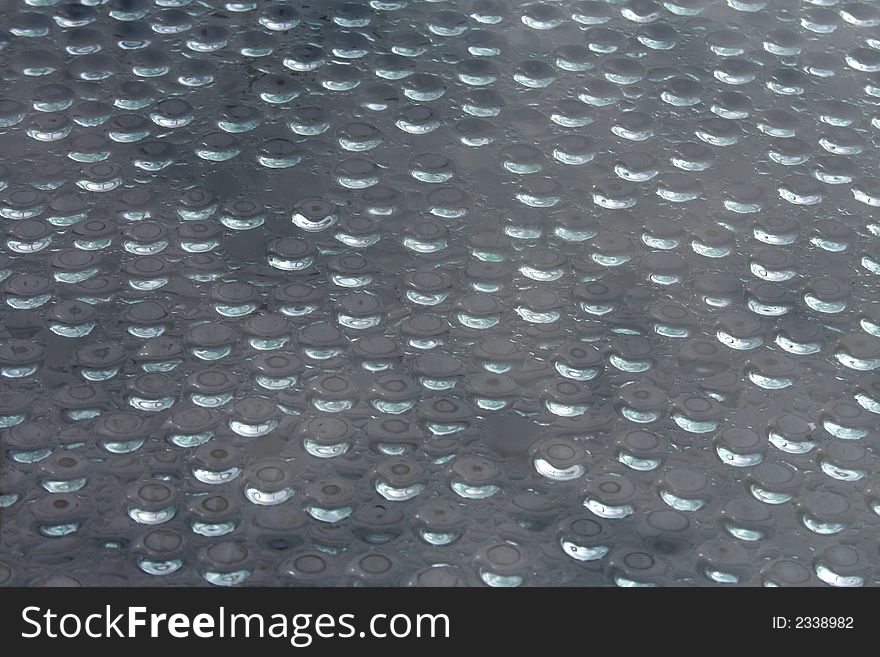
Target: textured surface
{"type": "Point", "coordinates": [478, 292]}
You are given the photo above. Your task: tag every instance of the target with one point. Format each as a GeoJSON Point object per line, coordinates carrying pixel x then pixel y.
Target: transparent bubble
{"type": "Point", "coordinates": [328, 515]}
{"type": "Point", "coordinates": [19, 372]}
{"type": "Point", "coordinates": [151, 405]}
{"type": "Point", "coordinates": [738, 460]}
{"type": "Point", "coordinates": [474, 492]}
{"type": "Point", "coordinates": [843, 432]}
{"type": "Point", "coordinates": [822, 527]}
{"type": "Point", "coordinates": [741, 344]}
{"type": "Point", "coordinates": [502, 581]}
{"type": "Point", "coordinates": [821, 306]}
{"type": "Point", "coordinates": [626, 365]}
{"type": "Point", "coordinates": [233, 578]}
{"type": "Point", "coordinates": [769, 382]}
{"type": "Point", "coordinates": [190, 440]}
{"type": "Point", "coordinates": [639, 464]}
{"type": "Point", "coordinates": [608, 510]}
{"type": "Point", "coordinates": [860, 364]}
{"type": "Point", "coordinates": [769, 497]}
{"type": "Point", "coordinates": [693, 426]}
{"type": "Point", "coordinates": [216, 477]}
{"type": "Point", "coordinates": [546, 469]}
{"type": "Point", "coordinates": [264, 498]}
{"type": "Point", "coordinates": [841, 474]}
{"type": "Point", "coordinates": [681, 503]}
{"type": "Point", "coordinates": [790, 446]}
{"type": "Point", "coordinates": [31, 456]}
{"type": "Point", "coordinates": [66, 486]}
{"type": "Point", "coordinates": [828, 576]}
{"type": "Point", "coordinates": [144, 517]}
{"type": "Point", "coordinates": [867, 402]}
{"type": "Point", "coordinates": [393, 494]}
{"type": "Point", "coordinates": [624, 582]}
{"type": "Point", "coordinates": [438, 538]}
{"type": "Point", "coordinates": [253, 430]}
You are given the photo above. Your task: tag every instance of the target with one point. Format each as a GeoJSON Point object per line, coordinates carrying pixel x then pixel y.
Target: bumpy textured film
{"type": "Point", "coordinates": [410, 292]}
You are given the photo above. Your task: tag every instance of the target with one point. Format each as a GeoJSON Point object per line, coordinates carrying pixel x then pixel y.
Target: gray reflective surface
{"type": "Point", "coordinates": [439, 293]}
